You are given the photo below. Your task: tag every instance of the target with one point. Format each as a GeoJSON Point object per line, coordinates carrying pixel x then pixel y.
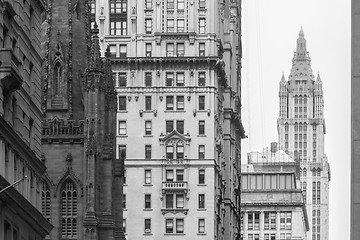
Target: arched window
{"type": "Point", "coordinates": [45, 201]}
{"type": "Point", "coordinates": [68, 210]}
{"type": "Point", "coordinates": [57, 79]}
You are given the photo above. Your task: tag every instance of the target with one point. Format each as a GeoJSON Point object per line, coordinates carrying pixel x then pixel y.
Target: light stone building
{"type": "Point", "coordinates": [301, 129]}
{"type": "Point", "coordinates": [177, 66]}
{"type": "Point", "coordinates": [272, 204]}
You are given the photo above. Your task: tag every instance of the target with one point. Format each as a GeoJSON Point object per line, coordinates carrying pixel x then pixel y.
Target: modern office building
{"type": "Point", "coordinates": [272, 204]}
{"type": "Point", "coordinates": [83, 190]}
{"type": "Point", "coordinates": [20, 121]}
{"type": "Point", "coordinates": [177, 66]}
{"type": "Point", "coordinates": [301, 129]}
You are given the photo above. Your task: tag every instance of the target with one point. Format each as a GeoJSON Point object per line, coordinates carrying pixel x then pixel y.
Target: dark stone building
{"type": "Point", "coordinates": [84, 180]}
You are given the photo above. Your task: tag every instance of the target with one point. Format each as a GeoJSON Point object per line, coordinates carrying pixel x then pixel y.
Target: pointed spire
{"type": "Point", "coordinates": [318, 79]}
{"type": "Point", "coordinates": [95, 59]}
{"type": "Point", "coordinates": [283, 77]}
{"type": "Point", "coordinates": [301, 42]}
{"type": "Point", "coordinates": [301, 33]}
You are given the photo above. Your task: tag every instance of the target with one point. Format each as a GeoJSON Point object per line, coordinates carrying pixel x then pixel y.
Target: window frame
{"type": "Point", "coordinates": [122, 129]}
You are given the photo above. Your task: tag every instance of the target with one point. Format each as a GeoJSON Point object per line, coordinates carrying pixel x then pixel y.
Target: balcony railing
{"type": "Point", "coordinates": [9, 70]}
{"type": "Point", "coordinates": [174, 185]}
{"type": "Point", "coordinates": [175, 161]}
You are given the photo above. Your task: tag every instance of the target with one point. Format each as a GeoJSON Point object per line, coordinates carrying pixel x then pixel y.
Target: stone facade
{"type": "Point", "coordinates": [177, 70]}
{"type": "Point", "coordinates": [272, 204]}
{"type": "Point", "coordinates": [301, 128]}
{"type": "Point", "coordinates": [20, 121]}
{"type": "Point", "coordinates": [84, 180]}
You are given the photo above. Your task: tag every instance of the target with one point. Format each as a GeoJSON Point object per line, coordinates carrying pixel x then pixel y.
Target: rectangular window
{"type": "Point", "coordinates": [148, 25]}
{"type": "Point", "coordinates": [169, 79]}
{"type": "Point", "coordinates": [170, 49]}
{"type": "Point", "coordinates": [122, 80]}
{"type": "Point", "coordinates": [273, 220]}
{"type": "Point", "coordinates": [123, 51]}
{"type": "Point", "coordinates": [118, 6]}
{"type": "Point", "coordinates": [257, 221]}
{"type": "Point", "coordinates": [201, 81]}
{"type": "Point", "coordinates": [179, 200]}
{"type": "Point", "coordinates": [250, 221]}
{"type": "Point", "coordinates": [170, 152]}
{"type": "Point", "coordinates": [148, 4]}
{"type": "Point", "coordinates": [122, 103]}
{"type": "Point", "coordinates": [179, 175]}
{"type": "Point", "coordinates": [122, 127]}
{"type": "Point", "coordinates": [201, 127]}
{"type": "Point", "coordinates": [180, 79]}
{"type": "Point", "coordinates": [124, 201]}
{"type": "Point", "coordinates": [122, 148]}
{"type": "Point", "coordinates": [124, 225]}
{"type": "Point", "coordinates": [148, 49]}
{"type": "Point", "coordinates": [169, 203]}
{"type": "Point", "coordinates": [282, 220]}
{"type": "Point", "coordinates": [201, 176]}
{"type": "Point", "coordinates": [147, 201]}
{"type": "Point", "coordinates": [169, 102]}
{"type": "Point", "coordinates": [169, 175]}
{"type": "Point", "coordinates": [201, 201]}
{"type": "Point", "coordinates": [147, 103]}
{"type": "Point", "coordinates": [112, 50]}
{"type": "Point", "coordinates": [180, 25]}
{"type": "Point", "coordinates": [148, 151]}
{"type": "Point", "coordinates": [180, 126]}
{"type": "Point", "coordinates": [179, 102]}
{"type": "Point", "coordinates": [93, 6]}
{"type": "Point", "coordinates": [118, 26]}
{"type": "Point", "coordinates": [201, 102]}
{"type": "Point", "coordinates": [147, 176]}
{"type": "Point", "coordinates": [179, 152]}
{"type": "Point", "coordinates": [170, 4]}
{"type": "Point", "coordinates": [266, 221]}
{"type": "Point", "coordinates": [180, 5]}
{"type": "Point", "coordinates": [169, 126]}
{"type": "Point", "coordinates": [180, 48]}
{"type": "Point", "coordinates": [202, 4]}
{"type": "Point", "coordinates": [148, 79]}
{"type": "Point", "coordinates": [202, 25]}
{"type": "Point", "coordinates": [170, 25]}
{"type": "Point", "coordinates": [147, 225]}
{"type": "Point", "coordinates": [288, 220]}
{"type": "Point", "coordinates": [201, 151]}
{"type": "Point", "coordinates": [169, 225]}
{"type": "Point", "coordinates": [179, 225]}
{"type": "Point", "coordinates": [148, 127]}
{"type": "Point", "coordinates": [201, 49]}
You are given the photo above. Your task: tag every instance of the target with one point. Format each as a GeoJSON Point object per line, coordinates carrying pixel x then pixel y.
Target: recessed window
{"type": "Point", "coordinates": [122, 127]}
{"type": "Point", "coordinates": [148, 79]}
{"type": "Point", "coordinates": [147, 103]}
{"type": "Point", "coordinates": [148, 49]}
{"type": "Point", "coordinates": [179, 225]}
{"type": "Point", "coordinates": [147, 151]}
{"type": "Point", "coordinates": [169, 201]}
{"type": "Point", "coordinates": [201, 176]}
{"type": "Point", "coordinates": [180, 47]}
{"type": "Point", "coordinates": [201, 224]}
{"type": "Point", "coordinates": [124, 201]}
{"type": "Point", "coordinates": [118, 26]}
{"type": "Point", "coordinates": [122, 103]}
{"type": "Point", "coordinates": [148, 25]}
{"type": "Point", "coordinates": [170, 25]}
{"type": "Point", "coordinates": [201, 151]}
{"type": "Point", "coordinates": [170, 4]}
{"type": "Point", "coordinates": [169, 102]}
{"type": "Point", "coordinates": [148, 4]}
{"type": "Point", "coordinates": [201, 102]}
{"type": "Point", "coordinates": [179, 102]}
{"type": "Point", "coordinates": [180, 5]}
{"type": "Point", "coordinates": [202, 25]}
{"type": "Point", "coordinates": [122, 79]}
{"type": "Point", "coordinates": [169, 79]}
{"type": "Point", "coordinates": [147, 176]}
{"type": "Point", "coordinates": [148, 127]}
{"type": "Point", "coordinates": [201, 49]}
{"type": "Point", "coordinates": [113, 50]}
{"type": "Point", "coordinates": [118, 6]}
{"type": "Point", "coordinates": [180, 25]}
{"type": "Point", "coordinates": [202, 3]}
{"type": "Point", "coordinates": [201, 81]}
{"type": "Point", "coordinates": [180, 126]}
{"type": "Point", "coordinates": [201, 127]}
{"type": "Point", "coordinates": [179, 175]}
{"type": "Point", "coordinates": [169, 225]}
{"type": "Point", "coordinates": [170, 49]}
{"type": "Point", "coordinates": [201, 201]}
{"type": "Point", "coordinates": [147, 225]}
{"type": "Point", "coordinates": [147, 201]}
{"type": "Point", "coordinates": [124, 225]}
{"type": "Point", "coordinates": [123, 51]}
{"type": "Point", "coordinates": [180, 79]}
{"type": "Point", "coordinates": [169, 126]}
{"type": "Point", "coordinates": [179, 200]}
{"type": "Point", "coordinates": [169, 175]}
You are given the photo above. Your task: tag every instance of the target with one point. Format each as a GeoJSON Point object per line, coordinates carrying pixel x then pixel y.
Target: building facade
{"type": "Point", "coordinates": [20, 121]}
{"type": "Point", "coordinates": [272, 204]}
{"type": "Point", "coordinates": [84, 179]}
{"type": "Point", "coordinates": [301, 128]}
{"type": "Point", "coordinates": [176, 64]}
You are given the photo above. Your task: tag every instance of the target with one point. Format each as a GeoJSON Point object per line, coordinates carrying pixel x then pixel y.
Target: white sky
{"type": "Point", "coordinates": [270, 29]}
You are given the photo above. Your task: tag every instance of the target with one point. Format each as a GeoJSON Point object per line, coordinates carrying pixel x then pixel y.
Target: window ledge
{"type": "Point", "coordinates": [122, 111]}
{"type": "Point", "coordinates": [148, 234]}
{"type": "Point", "coordinates": [147, 209]}
{"type": "Point", "coordinates": [202, 185]}
{"type": "Point", "coordinates": [174, 111]}
{"type": "Point", "coordinates": [201, 135]}
{"type": "Point", "coordinates": [148, 135]}
{"type": "Point", "coordinates": [148, 185]}
{"type": "Point", "coordinates": [201, 234]}
{"type": "Point", "coordinates": [168, 234]}
{"type": "Point", "coordinates": [122, 136]}
{"type": "Point", "coordinates": [202, 209]}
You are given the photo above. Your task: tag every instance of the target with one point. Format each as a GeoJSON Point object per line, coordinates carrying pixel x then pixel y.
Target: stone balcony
{"type": "Point", "coordinates": [9, 70]}
{"type": "Point", "coordinates": [174, 185]}
{"type": "Point", "coordinates": [175, 161]}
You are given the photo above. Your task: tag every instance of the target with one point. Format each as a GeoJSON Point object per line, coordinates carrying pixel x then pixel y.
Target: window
{"type": "Point", "coordinates": [122, 80]}
{"type": "Point", "coordinates": [169, 102]}
{"type": "Point", "coordinates": [118, 6]}
{"type": "Point", "coordinates": [169, 126]}
{"type": "Point", "coordinates": [122, 148]}
{"type": "Point", "coordinates": [147, 151]}
{"type": "Point", "coordinates": [180, 126]}
{"type": "Point", "coordinates": [148, 103]}
{"type": "Point", "coordinates": [201, 49]}
{"type": "Point", "coordinates": [124, 201]}
{"type": "Point", "coordinates": [288, 220]}
{"type": "Point", "coordinates": [147, 201]}
{"type": "Point", "coordinates": [179, 102]}
{"type": "Point", "coordinates": [68, 209]}
{"type": "Point", "coordinates": [124, 225]}
{"type": "Point", "coordinates": [201, 176]}
{"type": "Point", "coordinates": [148, 4]}
{"type": "Point", "coordinates": [45, 201]}
{"type": "Point", "coordinates": [179, 200]}
{"type": "Point", "coordinates": [201, 201]}
{"type": "Point", "coordinates": [122, 127]}
{"type": "Point", "coordinates": [122, 103]}
{"type": "Point", "coordinates": [201, 127]}
{"type": "Point", "coordinates": [179, 175]}
{"type": "Point", "coordinates": [148, 79]}
{"type": "Point", "coordinates": [201, 151]}
{"type": "Point", "coordinates": [169, 79]}
{"type": "Point", "coordinates": [180, 79]}
{"type": "Point", "coordinates": [148, 49]}
{"type": "Point", "coordinates": [169, 175]}
{"type": "Point", "coordinates": [123, 51]}
{"type": "Point", "coordinates": [169, 225]}
{"type": "Point", "coordinates": [112, 50]}
{"type": "Point", "coordinates": [180, 47]}
{"type": "Point", "coordinates": [170, 49]}
{"type": "Point", "coordinates": [179, 225]}
{"type": "Point", "coordinates": [273, 220]}
{"type": "Point", "coordinates": [147, 176]}
{"type": "Point", "coordinates": [147, 225]}
{"type": "Point", "coordinates": [266, 220]}
{"type": "Point", "coordinates": [201, 102]}
{"type": "Point", "coordinates": [118, 26]}
{"type": "Point", "coordinates": [202, 3]}
{"type": "Point", "coordinates": [148, 127]}
{"type": "Point", "coordinates": [170, 25]}
{"type": "Point", "coordinates": [170, 4]}
{"type": "Point", "coordinates": [282, 220]}
{"type": "Point", "coordinates": [148, 25]}
{"type": "Point", "coordinates": [169, 201]}
{"type": "Point", "coordinates": [201, 81]}
{"type": "Point", "coordinates": [202, 24]}
{"type": "Point", "coordinates": [92, 6]}
{"type": "Point", "coordinates": [179, 151]}
{"type": "Point", "coordinates": [256, 221]}
{"type": "Point", "coordinates": [180, 25]}
{"type": "Point", "coordinates": [180, 5]}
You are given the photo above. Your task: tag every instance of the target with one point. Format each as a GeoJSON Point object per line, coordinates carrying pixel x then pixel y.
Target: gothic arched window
{"type": "Point", "coordinates": [57, 79]}
{"type": "Point", "coordinates": [68, 209]}
{"type": "Point", "coordinates": [45, 201]}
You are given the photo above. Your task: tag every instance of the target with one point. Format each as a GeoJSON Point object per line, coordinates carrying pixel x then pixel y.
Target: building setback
{"type": "Point", "coordinates": [20, 121]}
{"type": "Point", "coordinates": [272, 204]}
{"type": "Point", "coordinates": [84, 180]}
{"type": "Point", "coordinates": [301, 129]}
{"type": "Point", "coordinates": [176, 64]}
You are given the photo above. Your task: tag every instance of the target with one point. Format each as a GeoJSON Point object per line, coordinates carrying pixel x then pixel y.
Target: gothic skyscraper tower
{"type": "Point", "coordinates": [84, 182]}
{"type": "Point", "coordinates": [301, 129]}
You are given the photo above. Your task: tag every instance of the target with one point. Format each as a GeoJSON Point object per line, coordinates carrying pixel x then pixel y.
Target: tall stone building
{"type": "Point", "coordinates": [84, 180]}
{"type": "Point", "coordinates": [176, 64]}
{"type": "Point", "coordinates": [20, 121]}
{"type": "Point", "coordinates": [301, 128]}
